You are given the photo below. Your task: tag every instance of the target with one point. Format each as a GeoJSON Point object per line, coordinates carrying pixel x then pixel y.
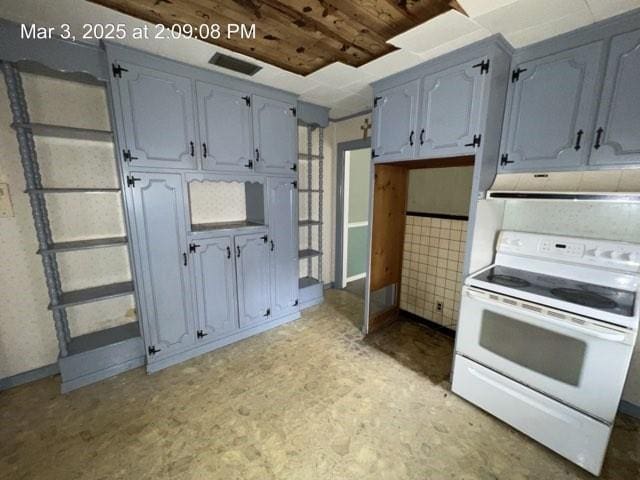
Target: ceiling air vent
{"type": "Point", "coordinates": [230, 63]}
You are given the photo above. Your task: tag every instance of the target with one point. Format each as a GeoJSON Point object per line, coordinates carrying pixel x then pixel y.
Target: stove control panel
{"type": "Point", "coordinates": [585, 251]}
{"type": "Point", "coordinates": [563, 249]}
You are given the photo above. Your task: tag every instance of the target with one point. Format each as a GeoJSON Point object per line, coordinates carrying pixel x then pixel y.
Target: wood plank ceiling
{"type": "Point", "coordinates": [300, 36]}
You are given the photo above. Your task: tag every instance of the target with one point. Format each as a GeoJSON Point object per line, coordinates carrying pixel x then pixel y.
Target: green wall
{"type": "Point", "coordinates": [359, 168]}
{"type": "Point", "coordinates": [358, 210]}
{"type": "Point", "coordinates": [440, 190]}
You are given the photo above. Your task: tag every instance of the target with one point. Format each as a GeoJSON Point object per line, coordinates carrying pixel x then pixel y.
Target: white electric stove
{"type": "Point", "coordinates": [545, 338]}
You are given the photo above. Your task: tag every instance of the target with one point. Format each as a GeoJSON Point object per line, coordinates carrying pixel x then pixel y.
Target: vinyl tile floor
{"type": "Point", "coordinates": [309, 400]}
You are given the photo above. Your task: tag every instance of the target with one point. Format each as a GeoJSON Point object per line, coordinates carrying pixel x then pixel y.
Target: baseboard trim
{"type": "Point", "coordinates": [429, 323]}
{"type": "Point", "coordinates": [29, 376]}
{"type": "Point", "coordinates": [629, 408]}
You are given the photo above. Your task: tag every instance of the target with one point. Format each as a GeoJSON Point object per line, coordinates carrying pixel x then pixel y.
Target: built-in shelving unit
{"type": "Point", "coordinates": [84, 244]}
{"type": "Point", "coordinates": [204, 227]}
{"type": "Point", "coordinates": [309, 253]}
{"type": "Point", "coordinates": [312, 192]}
{"type": "Point", "coordinates": [93, 294]}
{"type": "Point", "coordinates": [83, 359]}
{"type": "Point", "coordinates": [61, 131]}
{"type": "Point", "coordinates": [73, 190]}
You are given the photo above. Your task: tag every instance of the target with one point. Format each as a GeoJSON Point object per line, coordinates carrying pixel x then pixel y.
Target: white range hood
{"type": "Point", "coordinates": [607, 185]}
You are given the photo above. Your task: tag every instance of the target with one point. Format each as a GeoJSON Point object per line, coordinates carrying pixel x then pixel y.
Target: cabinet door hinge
{"type": "Point", "coordinates": [193, 247]}
{"type": "Point", "coordinates": [373, 153]}
{"type": "Point", "coordinates": [295, 304]}
{"type": "Point", "coordinates": [483, 66]}
{"type": "Point", "coordinates": [127, 157]}
{"type": "Point", "coordinates": [375, 101]}
{"type": "Point", "coordinates": [268, 312]}
{"type": "Point", "coordinates": [131, 181]}
{"type": "Point", "coordinates": [247, 100]}
{"type": "Point", "coordinates": [249, 164]}
{"type": "Point", "coordinates": [295, 184]}
{"type": "Point", "coordinates": [153, 350]}
{"type": "Point", "coordinates": [294, 111]}
{"type": "Point", "coordinates": [294, 167]}
{"type": "Point", "coordinates": [477, 139]}
{"type": "Point", "coordinates": [265, 238]}
{"type": "Point", "coordinates": [504, 160]}
{"type": "Point", "coordinates": [201, 334]}
{"type": "Point", "coordinates": [117, 70]}
{"type": "Point", "coordinates": [515, 75]}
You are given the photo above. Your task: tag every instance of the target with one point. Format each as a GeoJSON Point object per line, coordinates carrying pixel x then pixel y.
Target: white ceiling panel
{"type": "Point", "coordinates": [524, 14]}
{"type": "Point", "coordinates": [455, 44]}
{"type": "Point", "coordinates": [602, 9]}
{"type": "Point", "coordinates": [475, 8]}
{"type": "Point", "coordinates": [324, 95]}
{"type": "Point", "coordinates": [390, 63]}
{"type": "Point", "coordinates": [541, 32]}
{"type": "Point", "coordinates": [437, 31]}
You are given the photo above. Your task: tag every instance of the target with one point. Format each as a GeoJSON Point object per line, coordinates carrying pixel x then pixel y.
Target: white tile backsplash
{"type": "Point", "coordinates": [432, 268]}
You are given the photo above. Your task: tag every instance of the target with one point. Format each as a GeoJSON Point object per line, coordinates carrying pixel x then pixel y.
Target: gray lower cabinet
{"type": "Point", "coordinates": [252, 272]}
{"type": "Point", "coordinates": [617, 134]}
{"type": "Point", "coordinates": [451, 109]}
{"type": "Point", "coordinates": [157, 117]}
{"type": "Point", "coordinates": [224, 120]}
{"type": "Point", "coordinates": [215, 287]}
{"type": "Point", "coordinates": [275, 135]}
{"type": "Point", "coordinates": [162, 263]}
{"type": "Point", "coordinates": [395, 116]}
{"type": "Point", "coordinates": [283, 243]}
{"type": "Point", "coordinates": [550, 110]}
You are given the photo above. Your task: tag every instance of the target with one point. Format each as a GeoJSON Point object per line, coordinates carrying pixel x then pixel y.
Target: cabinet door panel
{"type": "Point", "coordinates": [252, 270]}
{"type": "Point", "coordinates": [158, 118]}
{"type": "Point", "coordinates": [283, 232]}
{"type": "Point", "coordinates": [214, 271]}
{"type": "Point", "coordinates": [161, 244]}
{"type": "Point", "coordinates": [451, 107]}
{"type": "Point", "coordinates": [550, 103]}
{"type": "Point", "coordinates": [395, 115]}
{"type": "Point", "coordinates": [275, 136]}
{"type": "Point", "coordinates": [619, 115]}
{"type": "Point", "coordinates": [226, 140]}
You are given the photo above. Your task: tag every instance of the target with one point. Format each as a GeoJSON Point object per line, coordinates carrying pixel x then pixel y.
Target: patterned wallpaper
{"type": "Point", "coordinates": [217, 202]}
{"type": "Point", "coordinates": [432, 268]}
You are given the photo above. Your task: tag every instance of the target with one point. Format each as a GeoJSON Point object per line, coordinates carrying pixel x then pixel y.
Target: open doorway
{"type": "Point", "coordinates": [418, 241]}
{"type": "Point", "coordinates": [352, 222]}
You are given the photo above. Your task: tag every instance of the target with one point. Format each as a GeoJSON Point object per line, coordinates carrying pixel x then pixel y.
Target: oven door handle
{"type": "Point", "coordinates": [594, 331]}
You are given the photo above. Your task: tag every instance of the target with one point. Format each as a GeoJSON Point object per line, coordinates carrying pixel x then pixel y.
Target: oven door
{"type": "Point", "coordinates": [578, 361]}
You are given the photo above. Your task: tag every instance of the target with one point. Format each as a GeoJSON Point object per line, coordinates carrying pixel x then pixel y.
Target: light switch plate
{"type": "Point", "coordinates": [6, 209]}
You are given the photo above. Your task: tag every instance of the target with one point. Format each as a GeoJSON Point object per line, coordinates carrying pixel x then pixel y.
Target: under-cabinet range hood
{"type": "Point", "coordinates": [603, 185]}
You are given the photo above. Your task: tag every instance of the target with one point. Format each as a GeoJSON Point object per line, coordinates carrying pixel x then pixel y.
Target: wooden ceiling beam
{"type": "Point", "coordinates": [300, 36]}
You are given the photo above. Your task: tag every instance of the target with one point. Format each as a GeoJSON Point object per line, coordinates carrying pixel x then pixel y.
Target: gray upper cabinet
{"type": "Point", "coordinates": [617, 134]}
{"type": "Point", "coordinates": [224, 120]}
{"type": "Point", "coordinates": [550, 110]}
{"type": "Point", "coordinates": [283, 243]}
{"type": "Point", "coordinates": [161, 254]}
{"type": "Point", "coordinates": [275, 136]}
{"type": "Point", "coordinates": [252, 270]}
{"type": "Point", "coordinates": [158, 118]}
{"type": "Point", "coordinates": [395, 115]}
{"type": "Point", "coordinates": [215, 287]}
{"type": "Point", "coordinates": [450, 114]}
